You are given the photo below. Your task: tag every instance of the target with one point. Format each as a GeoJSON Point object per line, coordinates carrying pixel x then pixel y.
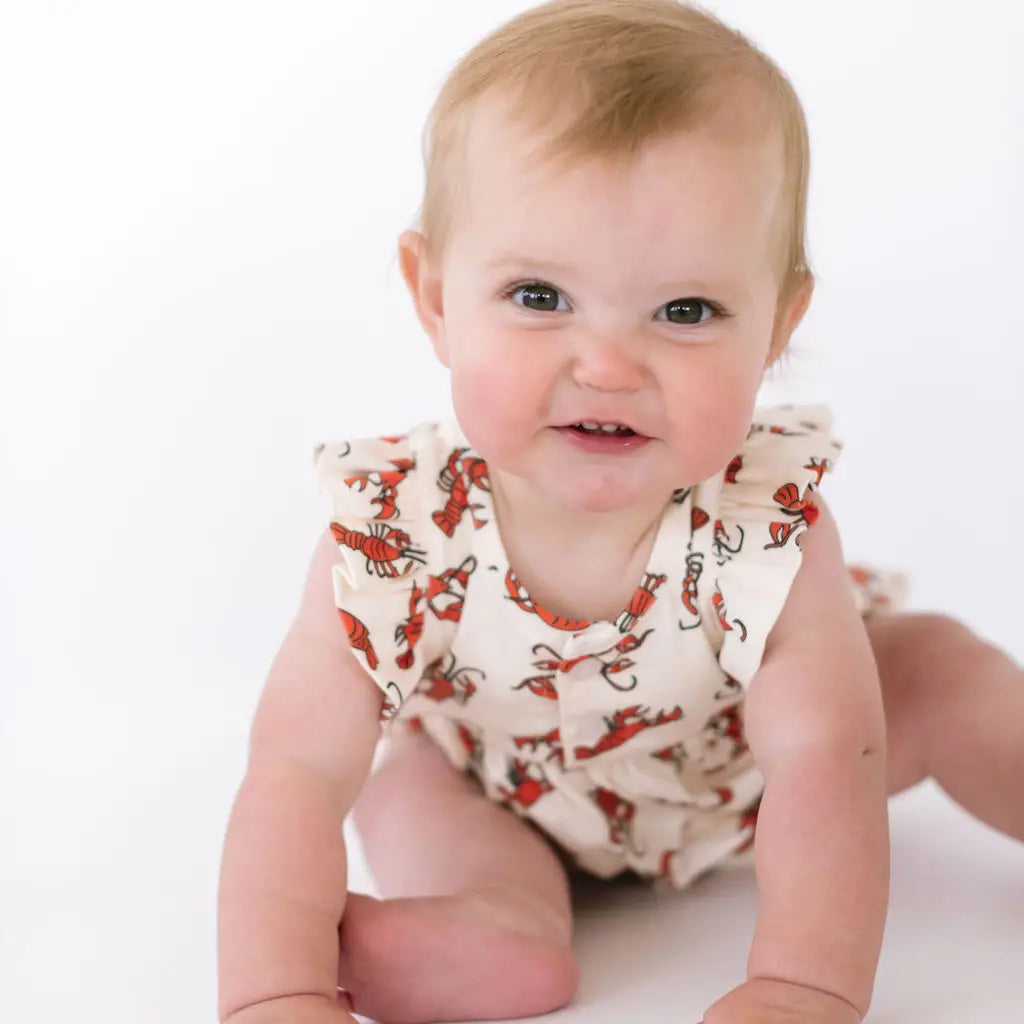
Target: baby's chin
{"type": "Point", "coordinates": [586, 493]}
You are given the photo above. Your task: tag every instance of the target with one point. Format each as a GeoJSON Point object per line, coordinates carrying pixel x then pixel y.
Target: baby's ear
{"type": "Point", "coordinates": [424, 285]}
{"type": "Point", "coordinates": [788, 316]}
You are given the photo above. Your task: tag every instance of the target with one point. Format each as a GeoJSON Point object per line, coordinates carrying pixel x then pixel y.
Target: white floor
{"type": "Point", "coordinates": [108, 893]}
{"type": "Point", "coordinates": [953, 951]}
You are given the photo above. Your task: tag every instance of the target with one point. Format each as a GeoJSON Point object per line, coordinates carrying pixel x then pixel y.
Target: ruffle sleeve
{"type": "Point", "coordinates": [766, 502]}
{"type": "Point", "coordinates": [381, 491]}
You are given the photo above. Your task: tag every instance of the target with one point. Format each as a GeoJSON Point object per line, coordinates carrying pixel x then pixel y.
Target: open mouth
{"type": "Point", "coordinates": [591, 429]}
{"type": "Point", "coordinates": [603, 438]}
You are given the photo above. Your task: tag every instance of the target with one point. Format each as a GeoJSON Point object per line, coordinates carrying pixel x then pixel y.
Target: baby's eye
{"type": "Point", "coordinates": [542, 297]}
{"type": "Point", "coordinates": [687, 311]}
{"type": "Point", "coordinates": [545, 297]}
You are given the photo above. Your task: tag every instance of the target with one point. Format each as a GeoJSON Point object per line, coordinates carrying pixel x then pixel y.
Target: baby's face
{"type": "Point", "coordinates": [627, 272]}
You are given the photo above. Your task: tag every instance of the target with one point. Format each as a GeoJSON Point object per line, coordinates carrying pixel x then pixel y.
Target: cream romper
{"type": "Point", "coordinates": [620, 740]}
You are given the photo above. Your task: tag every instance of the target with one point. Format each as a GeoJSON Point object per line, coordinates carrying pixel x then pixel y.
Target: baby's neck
{"type": "Point", "coordinates": [527, 520]}
{"type": "Point", "coordinates": [576, 564]}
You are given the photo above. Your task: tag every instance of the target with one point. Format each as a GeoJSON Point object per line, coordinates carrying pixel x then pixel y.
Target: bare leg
{"type": "Point", "coordinates": [476, 921]}
{"type": "Point", "coordinates": [954, 708]}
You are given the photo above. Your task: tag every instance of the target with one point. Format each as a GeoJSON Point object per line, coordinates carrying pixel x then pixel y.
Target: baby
{"type": "Point", "coordinates": [604, 613]}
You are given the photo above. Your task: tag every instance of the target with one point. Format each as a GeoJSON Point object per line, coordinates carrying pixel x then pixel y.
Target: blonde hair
{"type": "Point", "coordinates": [617, 73]}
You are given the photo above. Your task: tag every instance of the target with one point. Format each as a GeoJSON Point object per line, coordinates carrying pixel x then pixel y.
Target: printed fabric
{"type": "Point", "coordinates": [621, 740]}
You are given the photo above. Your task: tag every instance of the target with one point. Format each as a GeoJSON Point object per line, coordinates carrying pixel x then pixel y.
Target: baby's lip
{"type": "Point", "coordinates": [603, 423]}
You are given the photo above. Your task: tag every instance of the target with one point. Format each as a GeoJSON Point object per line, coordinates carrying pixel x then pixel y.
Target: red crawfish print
{"type": "Point", "coordinates": [444, 595]}
{"type": "Point", "coordinates": [409, 630]}
{"type": "Point", "coordinates": [804, 510]}
{"type": "Point", "coordinates": [620, 814]}
{"type": "Point", "coordinates": [552, 740]}
{"type": "Point", "coordinates": [860, 575]}
{"type": "Point", "coordinates": [642, 599]}
{"type": "Point", "coordinates": [698, 518]}
{"type": "Point", "coordinates": [446, 592]}
{"type": "Point", "coordinates": [458, 476]}
{"type": "Point", "coordinates": [718, 797]}
{"type": "Point", "coordinates": [749, 820]}
{"type": "Point", "coordinates": [529, 784]}
{"type": "Point", "coordinates": [720, 542]}
{"type": "Point", "coordinates": [542, 686]}
{"type": "Point", "coordinates": [720, 742]}
{"type": "Point", "coordinates": [733, 468]}
{"type": "Point", "coordinates": [689, 596]}
{"type": "Point", "coordinates": [612, 659]}
{"type": "Point", "coordinates": [387, 482]}
{"type": "Point", "coordinates": [359, 636]}
{"type": "Point", "coordinates": [665, 864]}
{"type": "Point", "coordinates": [471, 741]}
{"type": "Point", "coordinates": [719, 604]}
{"type": "Point", "coordinates": [382, 546]}
{"type": "Point", "coordinates": [449, 683]}
{"type": "Point", "coordinates": [731, 690]}
{"type": "Point", "coordinates": [623, 726]}
{"type": "Point", "coordinates": [675, 754]}
{"type": "Point", "coordinates": [390, 707]}
{"type": "Point", "coordinates": [518, 593]}
{"type": "Point", "coordinates": [872, 587]}
{"type": "Point", "coordinates": [819, 467]}
{"type": "Point", "coordinates": [760, 428]}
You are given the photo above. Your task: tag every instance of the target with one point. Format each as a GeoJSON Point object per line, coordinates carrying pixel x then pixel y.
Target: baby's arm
{"type": "Point", "coordinates": [284, 873]}
{"type": "Point", "coordinates": [815, 724]}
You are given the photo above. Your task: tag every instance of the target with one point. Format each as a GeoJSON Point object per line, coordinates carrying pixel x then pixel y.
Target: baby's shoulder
{"type": "Point", "coordinates": [787, 451]}
{"type": "Point", "coordinates": [385, 477]}
{"type": "Point", "coordinates": [750, 520]}
{"type": "Point", "coordinates": [416, 450]}
{"type": "Point", "coordinates": [401, 505]}
{"type": "Point", "coordinates": [785, 432]}
{"type": "Point", "coordinates": [401, 524]}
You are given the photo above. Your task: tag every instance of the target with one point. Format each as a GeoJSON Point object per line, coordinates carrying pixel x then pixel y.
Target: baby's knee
{"type": "Point", "coordinates": [915, 651]}
{"type": "Point", "coordinates": [943, 635]}
{"type": "Point", "coordinates": [536, 945]}
{"type": "Point", "coordinates": [552, 976]}
{"type": "Point", "coordinates": [544, 972]}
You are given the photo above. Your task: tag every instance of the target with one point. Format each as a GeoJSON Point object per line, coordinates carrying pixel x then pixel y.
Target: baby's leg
{"type": "Point", "coordinates": [476, 918]}
{"type": "Point", "coordinates": [954, 709]}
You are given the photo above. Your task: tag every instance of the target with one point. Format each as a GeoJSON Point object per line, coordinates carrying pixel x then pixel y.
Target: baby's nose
{"type": "Point", "coordinates": [608, 364]}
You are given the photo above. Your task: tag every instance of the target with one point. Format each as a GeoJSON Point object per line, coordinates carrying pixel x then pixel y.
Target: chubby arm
{"type": "Point", "coordinates": [283, 876]}
{"type": "Point", "coordinates": [816, 728]}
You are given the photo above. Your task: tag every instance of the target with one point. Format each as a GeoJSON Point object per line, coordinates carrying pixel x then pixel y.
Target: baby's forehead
{"type": "Point", "coordinates": [501, 149]}
{"type": "Point", "coordinates": [710, 191]}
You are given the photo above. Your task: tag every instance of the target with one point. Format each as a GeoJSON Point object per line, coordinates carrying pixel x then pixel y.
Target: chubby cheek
{"type": "Point", "coordinates": [496, 401]}
{"type": "Point", "coordinates": [710, 417]}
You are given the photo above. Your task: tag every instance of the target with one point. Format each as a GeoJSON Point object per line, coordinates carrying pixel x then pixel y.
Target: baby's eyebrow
{"type": "Point", "coordinates": [511, 259]}
{"type": "Point", "coordinates": [514, 259]}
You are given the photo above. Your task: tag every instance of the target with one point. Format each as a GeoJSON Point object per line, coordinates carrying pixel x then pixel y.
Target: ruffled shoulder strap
{"type": "Point", "coordinates": [766, 501]}
{"type": "Point", "coordinates": [384, 508]}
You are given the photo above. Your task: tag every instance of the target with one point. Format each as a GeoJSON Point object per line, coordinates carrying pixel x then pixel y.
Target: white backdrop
{"type": "Point", "coordinates": [199, 207]}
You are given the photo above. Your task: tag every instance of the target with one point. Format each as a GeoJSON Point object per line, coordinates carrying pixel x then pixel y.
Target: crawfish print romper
{"type": "Point", "coordinates": [621, 740]}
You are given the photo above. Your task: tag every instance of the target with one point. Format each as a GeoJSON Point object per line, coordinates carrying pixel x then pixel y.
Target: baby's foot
{"type": "Point", "coordinates": [467, 956]}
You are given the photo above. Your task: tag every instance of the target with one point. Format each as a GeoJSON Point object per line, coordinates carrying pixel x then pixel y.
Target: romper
{"type": "Point", "coordinates": [622, 741]}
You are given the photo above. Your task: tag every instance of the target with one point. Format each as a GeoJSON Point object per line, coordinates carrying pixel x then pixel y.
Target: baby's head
{"type": "Point", "coordinates": [641, 169]}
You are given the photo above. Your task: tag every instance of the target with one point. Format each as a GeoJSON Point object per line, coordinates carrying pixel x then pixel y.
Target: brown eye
{"type": "Point", "coordinates": [687, 311]}
{"type": "Point", "coordinates": [536, 296]}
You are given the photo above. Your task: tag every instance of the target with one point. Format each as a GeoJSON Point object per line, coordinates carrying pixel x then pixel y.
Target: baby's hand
{"type": "Point", "coordinates": [762, 1001]}
{"type": "Point", "coordinates": [302, 1009]}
